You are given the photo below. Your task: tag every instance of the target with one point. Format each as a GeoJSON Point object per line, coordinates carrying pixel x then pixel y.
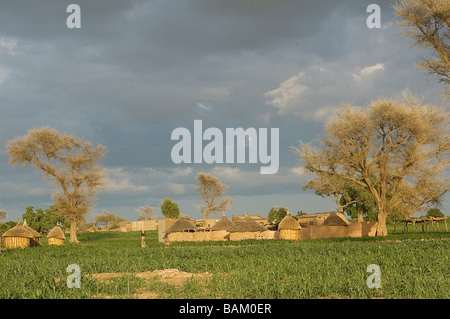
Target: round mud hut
{"type": "Point", "coordinates": [36, 235]}
{"type": "Point", "coordinates": [17, 237]}
{"type": "Point", "coordinates": [56, 236]}
{"type": "Point", "coordinates": [246, 229]}
{"type": "Point", "coordinates": [181, 230]}
{"type": "Point", "coordinates": [220, 230]}
{"type": "Point", "coordinates": [289, 228]}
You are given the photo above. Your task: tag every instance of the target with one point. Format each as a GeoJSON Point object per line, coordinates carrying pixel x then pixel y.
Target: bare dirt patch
{"type": "Point", "coordinates": [170, 276]}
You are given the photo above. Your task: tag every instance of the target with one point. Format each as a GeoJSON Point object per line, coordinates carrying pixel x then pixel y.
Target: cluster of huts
{"type": "Point", "coordinates": [322, 225]}
{"type": "Point", "coordinates": [22, 236]}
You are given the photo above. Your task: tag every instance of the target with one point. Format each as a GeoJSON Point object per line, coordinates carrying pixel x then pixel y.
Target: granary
{"type": "Point", "coordinates": [18, 237]}
{"type": "Point", "coordinates": [220, 230]}
{"type": "Point", "coordinates": [181, 230]}
{"type": "Point", "coordinates": [289, 228]}
{"type": "Point", "coordinates": [56, 236]}
{"type": "Point", "coordinates": [36, 235]}
{"type": "Point", "coordinates": [247, 228]}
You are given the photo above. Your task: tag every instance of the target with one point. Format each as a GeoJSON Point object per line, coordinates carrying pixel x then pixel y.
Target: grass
{"type": "Point", "coordinates": [413, 265]}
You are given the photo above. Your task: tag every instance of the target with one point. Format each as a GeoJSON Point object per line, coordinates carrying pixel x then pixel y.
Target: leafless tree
{"type": "Point", "coordinates": [67, 161]}
{"type": "Point", "coordinates": [396, 149]}
{"type": "Point", "coordinates": [427, 24]}
{"type": "Point", "coordinates": [146, 212]}
{"type": "Point", "coordinates": [211, 190]}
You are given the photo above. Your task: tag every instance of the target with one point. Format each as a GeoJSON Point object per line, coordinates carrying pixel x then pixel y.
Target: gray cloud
{"type": "Point", "coordinates": [136, 70]}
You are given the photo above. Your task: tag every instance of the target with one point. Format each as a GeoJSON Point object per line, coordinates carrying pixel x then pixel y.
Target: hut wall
{"type": "Point", "coordinates": [323, 231]}
{"type": "Point", "coordinates": [242, 235]}
{"type": "Point", "coordinates": [220, 235]}
{"type": "Point", "coordinates": [290, 234]}
{"type": "Point", "coordinates": [180, 236]}
{"type": "Point", "coordinates": [369, 229]}
{"type": "Point", "coordinates": [189, 236]}
{"type": "Point", "coordinates": [55, 241]}
{"type": "Point", "coordinates": [304, 233]}
{"type": "Point", "coordinates": [16, 242]}
{"type": "Point", "coordinates": [201, 236]}
{"type": "Point", "coordinates": [139, 225]}
{"type": "Point", "coordinates": [266, 234]}
{"type": "Point", "coordinates": [354, 229]}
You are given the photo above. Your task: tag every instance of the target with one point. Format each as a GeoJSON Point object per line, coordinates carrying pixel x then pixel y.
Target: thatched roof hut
{"type": "Point", "coordinates": [246, 229]}
{"type": "Point", "coordinates": [181, 230]}
{"type": "Point", "coordinates": [336, 219]}
{"type": "Point", "coordinates": [181, 225]}
{"type": "Point", "coordinates": [17, 237]}
{"type": "Point", "coordinates": [56, 236]}
{"type": "Point", "coordinates": [223, 224]}
{"type": "Point", "coordinates": [220, 230]}
{"type": "Point", "coordinates": [289, 228]}
{"type": "Point", "coordinates": [288, 222]}
{"type": "Point", "coordinates": [36, 235]}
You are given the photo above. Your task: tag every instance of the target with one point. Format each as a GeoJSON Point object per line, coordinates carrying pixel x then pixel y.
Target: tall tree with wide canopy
{"type": "Point", "coordinates": [212, 191]}
{"type": "Point", "coordinates": [67, 161]}
{"type": "Point", "coordinates": [396, 149]}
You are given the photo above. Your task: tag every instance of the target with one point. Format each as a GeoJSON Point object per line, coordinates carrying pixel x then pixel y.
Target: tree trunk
{"type": "Point", "coordinates": [73, 231]}
{"type": "Point", "coordinates": [381, 228]}
{"type": "Point", "coordinates": [205, 214]}
{"type": "Point", "coordinates": [360, 216]}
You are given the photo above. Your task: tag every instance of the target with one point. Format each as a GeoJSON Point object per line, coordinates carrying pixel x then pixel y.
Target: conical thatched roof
{"type": "Point", "coordinates": [336, 219]}
{"type": "Point", "coordinates": [35, 233]}
{"type": "Point", "coordinates": [182, 224]}
{"type": "Point", "coordinates": [246, 225]}
{"type": "Point", "coordinates": [223, 224]}
{"type": "Point", "coordinates": [56, 232]}
{"type": "Point", "coordinates": [18, 231]}
{"type": "Point", "coordinates": [289, 222]}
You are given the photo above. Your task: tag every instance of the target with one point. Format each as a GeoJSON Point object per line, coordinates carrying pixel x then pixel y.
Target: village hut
{"type": "Point", "coordinates": [181, 230]}
{"type": "Point", "coordinates": [56, 236]}
{"type": "Point", "coordinates": [36, 235]}
{"type": "Point", "coordinates": [220, 230]}
{"type": "Point", "coordinates": [17, 237]}
{"type": "Point", "coordinates": [289, 228]}
{"type": "Point", "coordinates": [336, 219]}
{"type": "Point", "coordinates": [247, 228]}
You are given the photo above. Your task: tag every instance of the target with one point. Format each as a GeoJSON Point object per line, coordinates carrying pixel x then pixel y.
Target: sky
{"type": "Point", "coordinates": [137, 70]}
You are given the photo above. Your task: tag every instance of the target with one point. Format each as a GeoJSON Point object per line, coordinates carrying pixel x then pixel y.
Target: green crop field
{"type": "Point", "coordinates": [412, 265]}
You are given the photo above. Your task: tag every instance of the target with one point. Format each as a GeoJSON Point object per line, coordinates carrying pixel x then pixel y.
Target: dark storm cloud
{"type": "Point", "coordinates": [136, 70]}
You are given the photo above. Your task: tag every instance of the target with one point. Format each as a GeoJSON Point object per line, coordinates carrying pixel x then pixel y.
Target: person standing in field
{"type": "Point", "coordinates": [143, 244]}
